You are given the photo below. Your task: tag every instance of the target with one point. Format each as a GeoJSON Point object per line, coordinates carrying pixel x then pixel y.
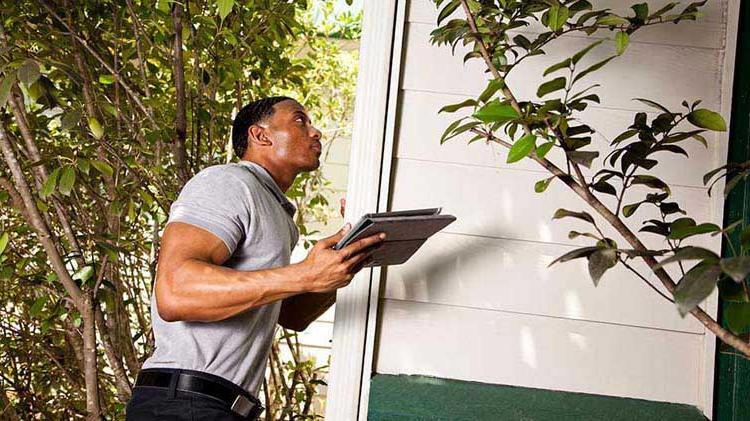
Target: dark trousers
{"type": "Point", "coordinates": [151, 403]}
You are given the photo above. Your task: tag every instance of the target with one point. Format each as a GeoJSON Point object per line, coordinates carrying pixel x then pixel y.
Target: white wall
{"type": "Point", "coordinates": [478, 302]}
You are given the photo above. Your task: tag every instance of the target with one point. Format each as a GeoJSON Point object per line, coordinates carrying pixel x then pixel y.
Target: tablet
{"type": "Point", "coordinates": [405, 232]}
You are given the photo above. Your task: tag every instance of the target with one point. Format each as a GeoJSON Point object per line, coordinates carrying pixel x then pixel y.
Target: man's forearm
{"type": "Point", "coordinates": [201, 291]}
{"type": "Point", "coordinates": [297, 312]}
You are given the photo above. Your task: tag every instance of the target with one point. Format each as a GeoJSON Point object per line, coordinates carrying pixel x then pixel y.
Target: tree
{"type": "Point", "coordinates": [530, 129]}
{"type": "Point", "coordinates": [106, 108]}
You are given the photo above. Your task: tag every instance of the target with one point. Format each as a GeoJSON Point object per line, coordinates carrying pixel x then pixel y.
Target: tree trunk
{"type": "Point", "coordinates": [91, 374]}
{"type": "Point", "coordinates": [180, 123]}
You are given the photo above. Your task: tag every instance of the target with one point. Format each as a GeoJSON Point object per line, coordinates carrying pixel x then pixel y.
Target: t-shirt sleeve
{"type": "Point", "coordinates": [214, 200]}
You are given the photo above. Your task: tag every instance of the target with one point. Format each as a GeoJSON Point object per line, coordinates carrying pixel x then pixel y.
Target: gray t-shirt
{"type": "Point", "coordinates": [242, 205]}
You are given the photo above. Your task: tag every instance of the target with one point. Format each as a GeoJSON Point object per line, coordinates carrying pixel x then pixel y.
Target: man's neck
{"type": "Point", "coordinates": [282, 176]}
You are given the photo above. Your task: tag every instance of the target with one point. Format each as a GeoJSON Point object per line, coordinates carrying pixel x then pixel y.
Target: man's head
{"type": "Point", "coordinates": [277, 130]}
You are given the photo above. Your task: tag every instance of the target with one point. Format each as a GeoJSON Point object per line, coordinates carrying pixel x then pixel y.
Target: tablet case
{"type": "Point", "coordinates": [405, 232]}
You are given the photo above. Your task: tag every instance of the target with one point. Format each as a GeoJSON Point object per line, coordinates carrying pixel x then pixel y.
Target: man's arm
{"type": "Point", "coordinates": [192, 286]}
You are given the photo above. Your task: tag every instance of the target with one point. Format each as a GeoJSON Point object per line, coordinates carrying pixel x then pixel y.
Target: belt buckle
{"type": "Point", "coordinates": [242, 405]}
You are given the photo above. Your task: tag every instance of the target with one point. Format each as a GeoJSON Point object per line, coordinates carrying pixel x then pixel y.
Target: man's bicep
{"type": "Point", "coordinates": [182, 241]}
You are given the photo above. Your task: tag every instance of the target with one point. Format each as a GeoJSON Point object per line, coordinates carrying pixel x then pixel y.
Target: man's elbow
{"type": "Point", "coordinates": [167, 305]}
{"type": "Point", "coordinates": [168, 311]}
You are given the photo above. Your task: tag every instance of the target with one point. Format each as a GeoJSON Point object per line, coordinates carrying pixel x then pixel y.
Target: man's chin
{"type": "Point", "coordinates": [313, 166]}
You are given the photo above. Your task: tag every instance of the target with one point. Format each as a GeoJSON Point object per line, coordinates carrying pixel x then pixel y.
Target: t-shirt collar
{"type": "Point", "coordinates": [269, 182]}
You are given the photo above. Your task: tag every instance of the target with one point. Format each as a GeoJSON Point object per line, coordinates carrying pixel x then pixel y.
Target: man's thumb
{"type": "Point", "coordinates": [345, 229]}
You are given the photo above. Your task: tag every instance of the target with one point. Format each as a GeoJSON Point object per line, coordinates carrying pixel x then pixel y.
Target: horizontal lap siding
{"type": "Point", "coordinates": [478, 301]}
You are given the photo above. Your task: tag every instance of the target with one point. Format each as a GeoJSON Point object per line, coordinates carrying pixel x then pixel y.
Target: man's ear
{"type": "Point", "coordinates": [257, 134]}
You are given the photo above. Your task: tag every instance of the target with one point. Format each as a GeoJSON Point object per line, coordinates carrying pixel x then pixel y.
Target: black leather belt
{"type": "Point", "coordinates": [236, 398]}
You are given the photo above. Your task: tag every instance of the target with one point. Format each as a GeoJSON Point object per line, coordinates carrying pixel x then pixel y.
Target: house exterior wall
{"type": "Point", "coordinates": [478, 302]}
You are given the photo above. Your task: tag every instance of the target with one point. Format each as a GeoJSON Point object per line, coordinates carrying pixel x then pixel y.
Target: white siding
{"type": "Point", "coordinates": [478, 302]}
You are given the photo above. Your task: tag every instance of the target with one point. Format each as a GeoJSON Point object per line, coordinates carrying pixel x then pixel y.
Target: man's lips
{"type": "Point", "coordinates": [317, 147]}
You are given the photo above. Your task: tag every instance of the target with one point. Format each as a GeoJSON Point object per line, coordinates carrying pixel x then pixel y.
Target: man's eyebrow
{"type": "Point", "coordinates": [298, 112]}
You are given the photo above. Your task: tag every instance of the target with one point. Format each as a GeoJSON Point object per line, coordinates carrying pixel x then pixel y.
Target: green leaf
{"type": "Point", "coordinates": [106, 79]}
{"type": "Point", "coordinates": [651, 181]}
{"type": "Point", "coordinates": [5, 86]}
{"type": "Point", "coordinates": [682, 228]}
{"type": "Point", "coordinates": [663, 10]}
{"type": "Point", "coordinates": [592, 68]}
{"type": "Point", "coordinates": [3, 242]}
{"type": "Point", "coordinates": [604, 187]}
{"type": "Point", "coordinates": [564, 213]}
{"type": "Point", "coordinates": [461, 129]}
{"type": "Point", "coordinates": [447, 10]}
{"type": "Point", "coordinates": [612, 20]}
{"type": "Point", "coordinates": [84, 274]}
{"type": "Point", "coordinates": [448, 130]}
{"type": "Point", "coordinates": [557, 16]}
{"type": "Point", "coordinates": [621, 41]}
{"type": "Point", "coordinates": [496, 112]}
{"type": "Point", "coordinates": [575, 254]}
{"type": "Point", "coordinates": [551, 86]}
{"type": "Point", "coordinates": [49, 185]}
{"type": "Point", "coordinates": [102, 167]}
{"type": "Point", "coordinates": [544, 149]}
{"type": "Point", "coordinates": [67, 180]}
{"type": "Point", "coordinates": [541, 185]}
{"type": "Point", "coordinates": [28, 73]}
{"type": "Point", "coordinates": [707, 119]}
{"type": "Point", "coordinates": [83, 165]}
{"type": "Point", "coordinates": [584, 158]}
{"type": "Point", "coordinates": [653, 104]}
{"type": "Point", "coordinates": [561, 65]}
{"type": "Point", "coordinates": [575, 234]}
{"type": "Point", "coordinates": [70, 119]}
{"type": "Point", "coordinates": [521, 148]}
{"type": "Point", "coordinates": [38, 306]}
{"type": "Point", "coordinates": [455, 107]}
{"type": "Point", "coordinates": [579, 55]}
{"type": "Point", "coordinates": [641, 11]}
{"type": "Point", "coordinates": [96, 128]}
{"type": "Point", "coordinates": [696, 286]}
{"type": "Point", "coordinates": [689, 253]}
{"type": "Point", "coordinates": [736, 267]}
{"type": "Point", "coordinates": [224, 6]}
{"type": "Point", "coordinates": [163, 5]}
{"type": "Point", "coordinates": [492, 87]}
{"type": "Point", "coordinates": [629, 210]}
{"type": "Point", "coordinates": [600, 261]}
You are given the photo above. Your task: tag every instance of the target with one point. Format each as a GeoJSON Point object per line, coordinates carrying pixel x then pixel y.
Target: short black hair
{"type": "Point", "coordinates": [251, 114]}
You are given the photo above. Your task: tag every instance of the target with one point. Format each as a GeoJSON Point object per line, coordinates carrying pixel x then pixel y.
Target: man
{"type": "Point", "coordinates": [224, 278]}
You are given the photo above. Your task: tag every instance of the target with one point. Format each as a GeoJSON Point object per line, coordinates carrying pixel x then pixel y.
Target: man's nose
{"type": "Point", "coordinates": [317, 134]}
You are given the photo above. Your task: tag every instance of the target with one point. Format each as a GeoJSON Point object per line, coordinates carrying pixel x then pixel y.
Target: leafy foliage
{"type": "Point", "coordinates": [554, 118]}
{"type": "Point", "coordinates": [110, 107]}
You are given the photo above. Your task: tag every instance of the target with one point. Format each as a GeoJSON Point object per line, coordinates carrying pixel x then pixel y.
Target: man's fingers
{"type": "Point", "coordinates": [332, 240]}
{"type": "Point", "coordinates": [357, 246]}
{"type": "Point", "coordinates": [359, 259]}
{"type": "Point", "coordinates": [361, 264]}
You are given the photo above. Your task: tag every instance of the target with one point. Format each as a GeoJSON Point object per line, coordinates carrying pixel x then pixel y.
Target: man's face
{"type": "Point", "coordinates": [296, 141]}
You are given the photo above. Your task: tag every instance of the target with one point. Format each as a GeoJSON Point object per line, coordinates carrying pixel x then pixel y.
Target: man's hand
{"type": "Point", "coordinates": [329, 269]}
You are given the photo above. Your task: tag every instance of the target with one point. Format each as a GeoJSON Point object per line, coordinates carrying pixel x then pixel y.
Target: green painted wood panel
{"type": "Point", "coordinates": [732, 374]}
{"type": "Point", "coordinates": [410, 398]}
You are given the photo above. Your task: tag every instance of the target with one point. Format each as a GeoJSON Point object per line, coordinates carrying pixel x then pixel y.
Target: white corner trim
{"type": "Point", "coordinates": [383, 200]}
{"type": "Point", "coordinates": [352, 327]}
